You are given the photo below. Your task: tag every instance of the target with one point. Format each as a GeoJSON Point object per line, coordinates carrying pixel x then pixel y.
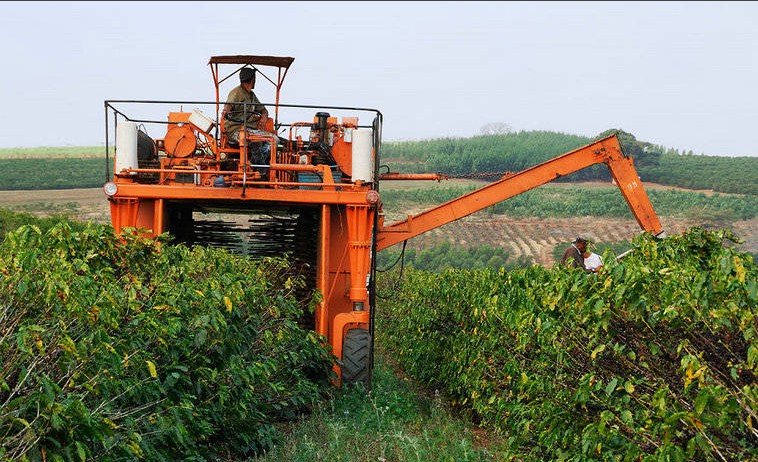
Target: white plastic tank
{"type": "Point", "coordinates": [363, 161]}
{"type": "Point", "coordinates": [201, 121]}
{"type": "Point", "coordinates": [126, 145]}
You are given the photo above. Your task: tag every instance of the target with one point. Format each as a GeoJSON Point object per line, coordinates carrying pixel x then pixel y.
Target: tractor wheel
{"type": "Point", "coordinates": [356, 357]}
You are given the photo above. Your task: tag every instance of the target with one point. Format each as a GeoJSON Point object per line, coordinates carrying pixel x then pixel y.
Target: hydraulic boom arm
{"type": "Point", "coordinates": [607, 150]}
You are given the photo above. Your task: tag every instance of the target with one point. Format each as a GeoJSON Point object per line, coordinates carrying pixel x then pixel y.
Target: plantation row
{"type": "Point", "coordinates": [557, 201]}
{"type": "Point", "coordinates": [446, 255]}
{"type": "Point", "coordinates": [32, 174]}
{"type": "Point", "coordinates": [521, 150]}
{"type": "Point", "coordinates": [113, 350]}
{"type": "Point", "coordinates": [734, 175]}
{"type": "Point", "coordinates": [654, 358]}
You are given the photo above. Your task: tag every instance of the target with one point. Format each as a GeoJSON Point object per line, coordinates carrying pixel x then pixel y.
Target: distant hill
{"type": "Point", "coordinates": [520, 150]}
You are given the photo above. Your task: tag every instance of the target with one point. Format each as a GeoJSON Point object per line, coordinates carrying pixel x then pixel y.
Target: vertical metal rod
{"type": "Point", "coordinates": [214, 71]}
{"type": "Point", "coordinates": [372, 288]}
{"type": "Point", "coordinates": [115, 128]}
{"type": "Point", "coordinates": [107, 160]}
{"type": "Point", "coordinates": [243, 149]}
{"type": "Point", "coordinates": [374, 235]}
{"type": "Point", "coordinates": [278, 86]}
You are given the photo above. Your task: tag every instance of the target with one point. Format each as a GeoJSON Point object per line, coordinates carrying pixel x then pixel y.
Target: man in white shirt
{"type": "Point", "coordinates": [592, 261]}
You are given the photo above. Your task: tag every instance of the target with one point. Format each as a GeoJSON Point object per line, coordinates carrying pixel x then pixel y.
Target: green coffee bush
{"type": "Point", "coordinates": [116, 348]}
{"type": "Point", "coordinates": [654, 358]}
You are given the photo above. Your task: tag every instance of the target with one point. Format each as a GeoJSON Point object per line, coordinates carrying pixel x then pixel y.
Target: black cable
{"type": "Point", "coordinates": [402, 253]}
{"type": "Point", "coordinates": [396, 285]}
{"type": "Point", "coordinates": [324, 154]}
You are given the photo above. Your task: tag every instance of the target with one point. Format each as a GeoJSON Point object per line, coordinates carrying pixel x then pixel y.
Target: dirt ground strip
{"type": "Point", "coordinates": [532, 238]}
{"type": "Point", "coordinates": [83, 204]}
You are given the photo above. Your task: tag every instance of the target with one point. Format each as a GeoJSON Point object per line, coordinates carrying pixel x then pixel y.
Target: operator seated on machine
{"type": "Point", "coordinates": [257, 116]}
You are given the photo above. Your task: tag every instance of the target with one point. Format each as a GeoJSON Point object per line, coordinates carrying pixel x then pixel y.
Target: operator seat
{"type": "Point", "coordinates": [231, 147]}
{"type": "Point", "coordinates": [226, 142]}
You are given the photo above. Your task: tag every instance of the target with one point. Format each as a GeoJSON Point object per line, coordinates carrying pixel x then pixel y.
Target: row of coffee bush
{"type": "Point", "coordinates": [654, 358]}
{"type": "Point", "coordinates": [122, 348]}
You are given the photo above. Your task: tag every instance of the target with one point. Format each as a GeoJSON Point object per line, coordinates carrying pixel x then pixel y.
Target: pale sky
{"type": "Point", "coordinates": [678, 74]}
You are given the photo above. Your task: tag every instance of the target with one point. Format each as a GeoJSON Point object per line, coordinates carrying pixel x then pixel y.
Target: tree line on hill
{"type": "Point", "coordinates": [517, 151]}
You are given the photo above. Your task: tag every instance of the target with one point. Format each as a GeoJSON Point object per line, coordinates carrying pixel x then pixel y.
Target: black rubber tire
{"type": "Point", "coordinates": [356, 357]}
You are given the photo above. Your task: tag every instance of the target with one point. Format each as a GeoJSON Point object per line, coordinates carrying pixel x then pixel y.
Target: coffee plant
{"type": "Point", "coordinates": [124, 348]}
{"type": "Point", "coordinates": [10, 221]}
{"type": "Point", "coordinates": [654, 358]}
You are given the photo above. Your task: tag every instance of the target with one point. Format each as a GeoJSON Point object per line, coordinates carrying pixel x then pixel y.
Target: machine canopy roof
{"type": "Point", "coordinates": [276, 61]}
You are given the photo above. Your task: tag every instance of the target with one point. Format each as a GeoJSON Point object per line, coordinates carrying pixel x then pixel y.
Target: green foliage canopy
{"type": "Point", "coordinates": [655, 358]}
{"type": "Point", "coordinates": [446, 255]}
{"type": "Point", "coordinates": [115, 349]}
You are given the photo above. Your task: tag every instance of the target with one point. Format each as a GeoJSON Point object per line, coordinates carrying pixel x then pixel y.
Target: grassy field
{"type": "Point", "coordinates": [394, 421]}
{"type": "Point", "coordinates": [52, 152]}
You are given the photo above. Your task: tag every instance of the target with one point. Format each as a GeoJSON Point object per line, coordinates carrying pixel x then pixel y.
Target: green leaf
{"type": "Point", "coordinates": [200, 338]}
{"type": "Point", "coordinates": [151, 369]}
{"type": "Point", "coordinates": [611, 386]}
{"type": "Point", "coordinates": [701, 401]}
{"type": "Point", "coordinates": [81, 451]}
{"type": "Point", "coordinates": [21, 287]}
{"type": "Point", "coordinates": [23, 422]}
{"type": "Point", "coordinates": [629, 387]}
{"type": "Point", "coordinates": [599, 349]}
{"type": "Point", "coordinates": [654, 350]}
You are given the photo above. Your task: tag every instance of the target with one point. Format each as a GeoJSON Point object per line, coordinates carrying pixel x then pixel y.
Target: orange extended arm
{"type": "Point", "coordinates": [606, 150]}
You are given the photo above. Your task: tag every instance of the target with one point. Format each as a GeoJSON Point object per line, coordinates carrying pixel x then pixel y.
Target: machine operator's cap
{"type": "Point", "coordinates": [247, 74]}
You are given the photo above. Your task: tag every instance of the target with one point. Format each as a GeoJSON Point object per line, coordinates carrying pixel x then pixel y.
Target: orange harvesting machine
{"type": "Point", "coordinates": [315, 200]}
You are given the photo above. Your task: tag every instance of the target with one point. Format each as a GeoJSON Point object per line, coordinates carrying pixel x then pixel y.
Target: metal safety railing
{"type": "Point", "coordinates": [115, 108]}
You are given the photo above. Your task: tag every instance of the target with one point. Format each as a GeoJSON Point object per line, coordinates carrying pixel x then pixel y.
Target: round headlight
{"type": "Point", "coordinates": [372, 197]}
{"type": "Point", "coordinates": [110, 188]}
